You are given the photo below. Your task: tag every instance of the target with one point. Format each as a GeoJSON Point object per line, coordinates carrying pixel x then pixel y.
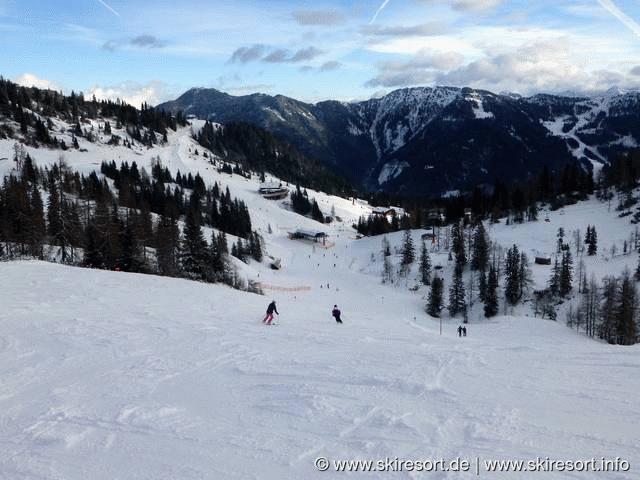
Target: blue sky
{"type": "Point", "coordinates": [313, 51]}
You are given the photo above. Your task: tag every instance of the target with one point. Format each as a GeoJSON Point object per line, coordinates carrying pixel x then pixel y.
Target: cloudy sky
{"type": "Point", "coordinates": [310, 50]}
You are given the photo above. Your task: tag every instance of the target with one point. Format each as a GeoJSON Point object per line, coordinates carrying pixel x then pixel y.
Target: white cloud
{"type": "Point", "coordinates": [133, 93]}
{"type": "Point", "coordinates": [32, 80]}
{"type": "Point", "coordinates": [526, 67]}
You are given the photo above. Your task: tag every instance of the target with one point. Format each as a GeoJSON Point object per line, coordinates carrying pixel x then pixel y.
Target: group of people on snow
{"type": "Point", "coordinates": [271, 309]}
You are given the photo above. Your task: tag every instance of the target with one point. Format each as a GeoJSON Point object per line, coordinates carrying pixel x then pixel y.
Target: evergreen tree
{"type": "Point", "coordinates": [218, 256]}
{"type": "Point", "coordinates": [482, 285]}
{"type": "Point", "coordinates": [593, 246]}
{"type": "Point", "coordinates": [37, 228]}
{"type": "Point", "coordinates": [480, 249]}
{"type": "Point", "coordinates": [512, 291]}
{"type": "Point", "coordinates": [193, 251]}
{"type": "Point", "coordinates": [408, 252]}
{"type": "Point", "coordinates": [387, 269]}
{"type": "Point", "coordinates": [607, 326]}
{"type": "Point", "coordinates": [425, 265]}
{"type": "Point", "coordinates": [457, 292]}
{"type": "Point", "coordinates": [626, 312]}
{"type": "Point", "coordinates": [554, 281]}
{"type": "Point", "coordinates": [591, 240]}
{"type": "Point", "coordinates": [458, 244]}
{"type": "Point", "coordinates": [560, 240]}
{"type": "Point", "coordinates": [316, 214]}
{"type": "Point", "coordinates": [434, 307]}
{"type": "Point", "coordinates": [491, 298]}
{"type": "Point", "coordinates": [387, 266]}
{"type": "Point", "coordinates": [524, 275]}
{"type": "Point", "coordinates": [255, 247]}
{"type": "Point", "coordinates": [167, 240]}
{"type": "Point", "coordinates": [566, 274]}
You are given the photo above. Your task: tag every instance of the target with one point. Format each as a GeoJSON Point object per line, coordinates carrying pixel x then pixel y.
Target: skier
{"type": "Point", "coordinates": [464, 331]}
{"type": "Point", "coordinates": [459, 330]}
{"type": "Point", "coordinates": [336, 313]}
{"type": "Point", "coordinates": [268, 318]}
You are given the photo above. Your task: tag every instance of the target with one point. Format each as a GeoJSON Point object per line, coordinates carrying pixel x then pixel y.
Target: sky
{"type": "Point", "coordinates": [341, 49]}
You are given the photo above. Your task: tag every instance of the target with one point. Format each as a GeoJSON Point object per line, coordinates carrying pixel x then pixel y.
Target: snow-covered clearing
{"type": "Point", "coordinates": [116, 375]}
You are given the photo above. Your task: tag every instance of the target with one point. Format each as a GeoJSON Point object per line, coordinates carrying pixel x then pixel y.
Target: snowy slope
{"type": "Point", "coordinates": [115, 375]}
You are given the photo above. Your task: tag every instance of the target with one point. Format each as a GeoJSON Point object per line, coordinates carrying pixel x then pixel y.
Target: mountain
{"type": "Point", "coordinates": [419, 141]}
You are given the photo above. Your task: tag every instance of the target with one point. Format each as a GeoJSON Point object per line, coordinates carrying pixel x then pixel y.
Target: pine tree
{"type": "Point", "coordinates": [512, 290]}
{"type": "Point", "coordinates": [593, 246]}
{"type": "Point", "coordinates": [566, 274]}
{"type": "Point", "coordinates": [554, 281]}
{"type": "Point", "coordinates": [167, 241]}
{"type": "Point", "coordinates": [218, 257]}
{"type": "Point", "coordinates": [434, 307]}
{"type": "Point", "coordinates": [591, 240]}
{"type": "Point", "coordinates": [524, 275]}
{"type": "Point", "coordinates": [480, 255]}
{"type": "Point", "coordinates": [491, 298]}
{"type": "Point", "coordinates": [457, 292]}
{"type": "Point", "coordinates": [37, 228]}
{"type": "Point", "coordinates": [316, 213]}
{"type": "Point", "coordinates": [607, 324]}
{"type": "Point", "coordinates": [626, 311]}
{"type": "Point", "coordinates": [560, 240]}
{"type": "Point", "coordinates": [387, 270]}
{"type": "Point", "coordinates": [458, 244]}
{"type": "Point", "coordinates": [387, 266]}
{"type": "Point", "coordinates": [408, 252]}
{"type": "Point", "coordinates": [425, 265]}
{"type": "Point", "coordinates": [193, 251]}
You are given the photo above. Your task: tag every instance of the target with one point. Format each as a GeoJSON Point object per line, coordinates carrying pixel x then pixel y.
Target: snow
{"type": "Point", "coordinates": [391, 170]}
{"type": "Point", "coordinates": [417, 106]}
{"type": "Point", "coordinates": [592, 108]}
{"type": "Point", "coordinates": [117, 375]}
{"type": "Point", "coordinates": [478, 106]}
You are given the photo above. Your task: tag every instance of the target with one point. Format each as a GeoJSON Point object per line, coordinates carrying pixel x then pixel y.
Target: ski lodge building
{"type": "Point", "coordinates": [273, 191]}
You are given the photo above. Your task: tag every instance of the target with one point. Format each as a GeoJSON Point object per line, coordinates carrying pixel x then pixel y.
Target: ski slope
{"type": "Point", "coordinates": [116, 375]}
{"type": "Point", "coordinates": [125, 376]}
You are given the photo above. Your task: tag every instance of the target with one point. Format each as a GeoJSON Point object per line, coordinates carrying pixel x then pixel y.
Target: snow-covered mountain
{"type": "Point", "coordinates": [116, 375]}
{"type": "Point", "coordinates": [431, 140]}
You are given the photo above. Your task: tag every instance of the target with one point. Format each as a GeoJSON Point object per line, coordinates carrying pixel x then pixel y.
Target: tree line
{"type": "Point", "coordinates": [133, 227]}
{"type": "Point", "coordinates": [258, 150]}
{"type": "Point", "coordinates": [483, 272]}
{"type": "Point", "coordinates": [33, 109]}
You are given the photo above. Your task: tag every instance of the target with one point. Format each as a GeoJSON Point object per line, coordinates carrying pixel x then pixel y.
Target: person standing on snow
{"type": "Point", "coordinates": [336, 313]}
{"type": "Point", "coordinates": [268, 318]}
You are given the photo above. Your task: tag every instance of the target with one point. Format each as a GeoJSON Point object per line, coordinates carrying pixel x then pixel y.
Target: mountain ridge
{"type": "Point", "coordinates": [429, 140]}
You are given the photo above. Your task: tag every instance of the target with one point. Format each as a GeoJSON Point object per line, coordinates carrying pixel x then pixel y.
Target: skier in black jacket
{"type": "Point", "coordinates": [268, 318]}
{"type": "Point", "coordinates": [336, 313]}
